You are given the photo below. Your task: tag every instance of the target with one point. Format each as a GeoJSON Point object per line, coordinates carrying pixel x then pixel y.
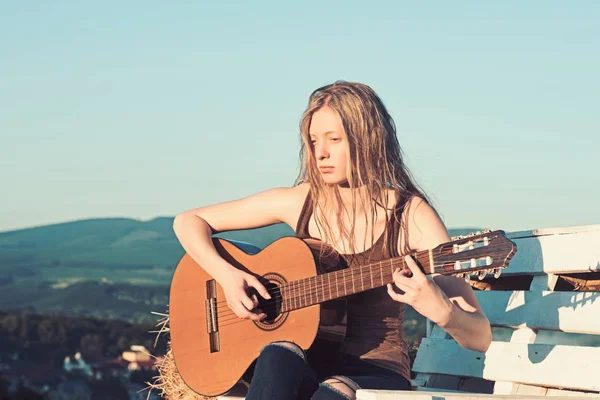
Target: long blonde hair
{"type": "Point", "coordinates": [375, 161]}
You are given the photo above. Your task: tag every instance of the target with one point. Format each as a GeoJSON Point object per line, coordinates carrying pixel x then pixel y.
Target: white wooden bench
{"type": "Point", "coordinates": [545, 316]}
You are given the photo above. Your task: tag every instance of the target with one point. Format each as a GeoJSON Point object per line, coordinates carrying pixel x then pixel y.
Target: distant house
{"type": "Point", "coordinates": [78, 365]}
{"type": "Point", "coordinates": [137, 358]}
{"type": "Point", "coordinates": [137, 353]}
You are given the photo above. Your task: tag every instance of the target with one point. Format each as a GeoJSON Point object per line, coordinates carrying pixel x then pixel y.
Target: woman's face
{"type": "Point", "coordinates": [329, 145]}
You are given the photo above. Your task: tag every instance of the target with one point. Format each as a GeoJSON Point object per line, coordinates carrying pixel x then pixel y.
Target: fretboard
{"type": "Point", "coordinates": [334, 285]}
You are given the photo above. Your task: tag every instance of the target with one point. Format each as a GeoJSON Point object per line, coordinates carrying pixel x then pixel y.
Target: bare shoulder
{"type": "Point", "coordinates": [426, 229]}
{"type": "Point", "coordinates": [295, 201]}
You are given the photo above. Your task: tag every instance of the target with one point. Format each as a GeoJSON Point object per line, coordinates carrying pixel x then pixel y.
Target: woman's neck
{"type": "Point", "coordinates": [346, 197]}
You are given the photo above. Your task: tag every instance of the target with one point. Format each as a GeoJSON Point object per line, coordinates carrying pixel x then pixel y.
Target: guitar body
{"type": "Point", "coordinates": [212, 347]}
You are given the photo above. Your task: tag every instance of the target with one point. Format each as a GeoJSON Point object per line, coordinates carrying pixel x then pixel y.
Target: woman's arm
{"type": "Point", "coordinates": [194, 229]}
{"type": "Point", "coordinates": [446, 300]}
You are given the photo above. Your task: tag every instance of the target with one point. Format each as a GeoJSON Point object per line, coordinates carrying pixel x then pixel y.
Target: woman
{"type": "Point", "coordinates": [355, 195]}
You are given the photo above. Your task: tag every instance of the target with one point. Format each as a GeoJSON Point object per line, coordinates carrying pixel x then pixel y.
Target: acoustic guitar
{"type": "Point", "coordinates": [213, 348]}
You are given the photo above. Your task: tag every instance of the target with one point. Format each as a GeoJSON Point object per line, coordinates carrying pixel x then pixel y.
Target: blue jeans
{"type": "Point", "coordinates": [283, 373]}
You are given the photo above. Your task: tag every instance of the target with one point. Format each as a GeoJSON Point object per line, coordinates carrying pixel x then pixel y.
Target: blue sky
{"type": "Point", "coordinates": [143, 109]}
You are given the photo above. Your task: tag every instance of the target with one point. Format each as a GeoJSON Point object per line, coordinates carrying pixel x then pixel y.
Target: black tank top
{"type": "Point", "coordinates": [374, 330]}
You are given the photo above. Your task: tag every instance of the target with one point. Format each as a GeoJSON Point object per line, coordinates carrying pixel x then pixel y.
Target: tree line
{"type": "Point", "coordinates": [49, 338]}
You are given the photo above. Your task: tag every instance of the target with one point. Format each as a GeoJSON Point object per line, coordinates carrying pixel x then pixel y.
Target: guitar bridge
{"type": "Point", "coordinates": [212, 322]}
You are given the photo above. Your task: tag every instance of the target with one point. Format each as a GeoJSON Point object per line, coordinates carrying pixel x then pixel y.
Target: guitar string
{"type": "Point", "coordinates": [294, 291]}
{"type": "Point", "coordinates": [292, 296]}
{"type": "Point", "coordinates": [292, 286]}
{"type": "Point", "coordinates": [231, 318]}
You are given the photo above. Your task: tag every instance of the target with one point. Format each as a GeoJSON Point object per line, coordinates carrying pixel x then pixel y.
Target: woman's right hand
{"type": "Point", "coordinates": [236, 287]}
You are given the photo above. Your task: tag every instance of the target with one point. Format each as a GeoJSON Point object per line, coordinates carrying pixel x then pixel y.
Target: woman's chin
{"type": "Point", "coordinates": [335, 181]}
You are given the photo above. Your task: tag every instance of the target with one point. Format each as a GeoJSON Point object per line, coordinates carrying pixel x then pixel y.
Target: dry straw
{"type": "Point", "coordinates": [168, 383]}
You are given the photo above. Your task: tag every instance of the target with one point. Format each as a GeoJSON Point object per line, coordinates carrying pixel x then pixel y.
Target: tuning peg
{"type": "Point", "coordinates": [481, 274]}
{"type": "Point", "coordinates": [497, 272]}
{"type": "Point", "coordinates": [467, 277]}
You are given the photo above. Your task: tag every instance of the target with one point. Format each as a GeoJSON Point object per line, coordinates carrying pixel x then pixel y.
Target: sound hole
{"type": "Point", "coordinates": [272, 306]}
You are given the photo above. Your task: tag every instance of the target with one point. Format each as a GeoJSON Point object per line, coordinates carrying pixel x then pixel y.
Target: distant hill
{"type": "Point", "coordinates": [113, 267]}
{"type": "Point", "coordinates": [113, 249]}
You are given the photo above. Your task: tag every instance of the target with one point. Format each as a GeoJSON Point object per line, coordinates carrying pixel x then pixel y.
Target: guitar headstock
{"type": "Point", "coordinates": [478, 253]}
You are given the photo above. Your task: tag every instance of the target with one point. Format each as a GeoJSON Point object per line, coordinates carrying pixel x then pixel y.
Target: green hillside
{"type": "Point", "coordinates": [107, 268]}
{"type": "Point", "coordinates": [117, 250]}
{"type": "Point", "coordinates": [109, 250]}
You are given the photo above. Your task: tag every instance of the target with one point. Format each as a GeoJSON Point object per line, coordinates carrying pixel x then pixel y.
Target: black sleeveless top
{"type": "Point", "coordinates": [374, 330]}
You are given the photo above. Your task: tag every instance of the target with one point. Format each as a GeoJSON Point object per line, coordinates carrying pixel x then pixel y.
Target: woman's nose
{"type": "Point", "coordinates": [321, 152]}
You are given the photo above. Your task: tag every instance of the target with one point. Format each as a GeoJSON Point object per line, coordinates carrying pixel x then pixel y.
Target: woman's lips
{"type": "Point", "coordinates": [326, 169]}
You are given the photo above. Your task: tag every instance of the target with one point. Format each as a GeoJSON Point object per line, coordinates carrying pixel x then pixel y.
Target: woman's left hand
{"type": "Point", "coordinates": [421, 293]}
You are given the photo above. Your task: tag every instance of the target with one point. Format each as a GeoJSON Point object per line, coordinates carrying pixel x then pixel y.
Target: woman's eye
{"type": "Point", "coordinates": [335, 139]}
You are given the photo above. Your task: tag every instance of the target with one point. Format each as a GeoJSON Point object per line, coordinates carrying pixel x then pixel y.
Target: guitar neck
{"type": "Point", "coordinates": [334, 285]}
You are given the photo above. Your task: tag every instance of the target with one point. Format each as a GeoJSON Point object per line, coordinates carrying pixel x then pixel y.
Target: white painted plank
{"type": "Point", "coordinates": [563, 230]}
{"type": "Point", "coordinates": [565, 311]}
{"type": "Point", "coordinates": [449, 383]}
{"type": "Point", "coordinates": [561, 393]}
{"type": "Point", "coordinates": [543, 283]}
{"type": "Point", "coordinates": [365, 394]}
{"type": "Point", "coordinates": [556, 253]}
{"type": "Point", "coordinates": [573, 367]}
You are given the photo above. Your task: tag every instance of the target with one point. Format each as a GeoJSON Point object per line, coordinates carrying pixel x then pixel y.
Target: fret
{"type": "Point", "coordinates": [361, 279]}
{"type": "Point", "coordinates": [322, 288]}
{"type": "Point", "coordinates": [297, 294]}
{"type": "Point", "coordinates": [352, 278]}
{"type": "Point", "coordinates": [283, 296]}
{"type": "Point", "coordinates": [311, 291]}
{"type": "Point", "coordinates": [329, 279]}
{"type": "Point", "coordinates": [295, 299]}
{"type": "Point", "coordinates": [371, 273]}
{"type": "Point", "coordinates": [337, 285]}
{"type": "Point", "coordinates": [344, 279]}
{"type": "Point", "coordinates": [307, 298]}
{"type": "Point", "coordinates": [319, 288]}
{"type": "Point", "coordinates": [381, 271]}
{"type": "Point", "coordinates": [305, 293]}
{"type": "Point", "coordinates": [319, 284]}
